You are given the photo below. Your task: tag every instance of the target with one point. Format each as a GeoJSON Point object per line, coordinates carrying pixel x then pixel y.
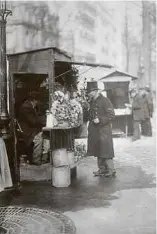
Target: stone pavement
{"type": "Point", "coordinates": [122, 205]}
{"type": "Point", "coordinates": [132, 200]}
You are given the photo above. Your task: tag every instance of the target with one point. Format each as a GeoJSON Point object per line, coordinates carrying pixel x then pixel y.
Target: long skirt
{"type": "Point", "coordinates": [5, 175]}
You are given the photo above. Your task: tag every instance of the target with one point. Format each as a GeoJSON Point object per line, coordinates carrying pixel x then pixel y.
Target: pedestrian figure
{"type": "Point", "coordinates": [147, 106]}
{"type": "Point", "coordinates": [137, 113]}
{"type": "Point", "coordinates": [100, 142]}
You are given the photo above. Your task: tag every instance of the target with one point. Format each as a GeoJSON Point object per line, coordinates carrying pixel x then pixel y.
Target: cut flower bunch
{"type": "Point", "coordinates": [80, 150]}
{"type": "Point", "coordinates": [65, 112]}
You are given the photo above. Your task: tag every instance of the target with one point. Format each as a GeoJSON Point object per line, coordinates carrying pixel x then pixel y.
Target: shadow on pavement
{"type": "Point", "coordinates": [85, 191]}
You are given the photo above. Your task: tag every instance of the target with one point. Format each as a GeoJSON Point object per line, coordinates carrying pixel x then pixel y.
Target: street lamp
{"type": "Point", "coordinates": [5, 119]}
{"type": "Point", "coordinates": [4, 116]}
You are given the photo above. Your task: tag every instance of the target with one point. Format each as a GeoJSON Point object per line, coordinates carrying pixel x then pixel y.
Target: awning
{"type": "Point", "coordinates": [95, 72]}
{"type": "Point", "coordinates": [116, 79]}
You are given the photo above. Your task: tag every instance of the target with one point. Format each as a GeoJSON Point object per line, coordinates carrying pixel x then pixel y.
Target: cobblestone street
{"type": "Point", "coordinates": [122, 205]}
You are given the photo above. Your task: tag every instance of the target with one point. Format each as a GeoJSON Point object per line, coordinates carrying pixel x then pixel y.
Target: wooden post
{"type": "Point", "coordinates": [4, 116]}
{"type": "Point", "coordinates": [51, 75]}
{"type": "Point", "coordinates": [126, 126]}
{"type": "Point", "coordinates": [13, 156]}
{"type": "Point", "coordinates": [51, 78]}
{"type": "Point", "coordinates": [5, 119]}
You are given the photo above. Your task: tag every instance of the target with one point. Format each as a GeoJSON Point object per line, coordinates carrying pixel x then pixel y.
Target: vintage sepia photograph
{"type": "Point", "coordinates": [78, 117]}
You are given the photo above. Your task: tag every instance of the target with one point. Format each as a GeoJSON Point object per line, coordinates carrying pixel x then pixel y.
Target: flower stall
{"type": "Point", "coordinates": [64, 117]}
{"type": "Point", "coordinates": [51, 72]}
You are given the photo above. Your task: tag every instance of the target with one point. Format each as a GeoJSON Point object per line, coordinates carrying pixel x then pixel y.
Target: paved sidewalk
{"type": "Point", "coordinates": [122, 205]}
{"type": "Point", "coordinates": [131, 208]}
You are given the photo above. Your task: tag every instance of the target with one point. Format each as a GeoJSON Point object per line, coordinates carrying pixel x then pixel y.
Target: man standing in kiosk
{"type": "Point", "coordinates": [31, 123]}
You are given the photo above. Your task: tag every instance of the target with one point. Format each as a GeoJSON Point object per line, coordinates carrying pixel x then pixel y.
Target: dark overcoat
{"type": "Point", "coordinates": [149, 100]}
{"type": "Point", "coordinates": [140, 108]}
{"type": "Point", "coordinates": [30, 122]}
{"type": "Point", "coordinates": [100, 142]}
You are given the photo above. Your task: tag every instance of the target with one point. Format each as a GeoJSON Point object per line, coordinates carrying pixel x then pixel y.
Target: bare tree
{"type": "Point", "coordinates": [126, 39]}
{"type": "Point", "coordinates": [146, 42]}
{"type": "Point", "coordinates": [153, 43]}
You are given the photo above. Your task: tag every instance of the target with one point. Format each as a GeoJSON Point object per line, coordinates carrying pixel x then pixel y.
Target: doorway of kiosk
{"type": "Point", "coordinates": [24, 83]}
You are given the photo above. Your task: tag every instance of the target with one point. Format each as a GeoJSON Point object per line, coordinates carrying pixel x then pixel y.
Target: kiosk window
{"type": "Point", "coordinates": [118, 94]}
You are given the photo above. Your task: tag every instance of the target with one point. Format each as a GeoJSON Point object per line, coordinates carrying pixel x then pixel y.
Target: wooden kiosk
{"type": "Point", "coordinates": [117, 85]}
{"type": "Point", "coordinates": [29, 70]}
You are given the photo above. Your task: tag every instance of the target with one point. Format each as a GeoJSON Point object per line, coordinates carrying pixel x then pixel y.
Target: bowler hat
{"type": "Point", "coordinates": [91, 86]}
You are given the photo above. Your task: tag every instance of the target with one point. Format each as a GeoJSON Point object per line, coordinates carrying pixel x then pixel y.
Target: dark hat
{"type": "Point", "coordinates": [91, 86]}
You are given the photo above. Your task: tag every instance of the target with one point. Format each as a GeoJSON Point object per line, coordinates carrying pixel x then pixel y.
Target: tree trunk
{"type": "Point", "coordinates": [146, 48]}
{"type": "Point", "coordinates": [126, 33]}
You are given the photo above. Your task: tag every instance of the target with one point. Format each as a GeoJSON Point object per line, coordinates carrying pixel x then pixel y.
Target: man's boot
{"type": "Point", "coordinates": [98, 173]}
{"type": "Point", "coordinates": [110, 174]}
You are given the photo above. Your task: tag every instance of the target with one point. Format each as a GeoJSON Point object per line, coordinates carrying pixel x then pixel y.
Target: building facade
{"type": "Point", "coordinates": [95, 37]}
{"type": "Point", "coordinates": [31, 26]}
{"type": "Point", "coordinates": [86, 30]}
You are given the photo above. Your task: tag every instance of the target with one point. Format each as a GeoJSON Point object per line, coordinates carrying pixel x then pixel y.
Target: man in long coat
{"type": "Point", "coordinates": [137, 112]}
{"type": "Point", "coordinates": [100, 142]}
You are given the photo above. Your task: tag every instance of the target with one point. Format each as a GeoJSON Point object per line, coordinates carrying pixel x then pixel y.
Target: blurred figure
{"type": "Point", "coordinates": [82, 99]}
{"type": "Point", "coordinates": [137, 113]}
{"type": "Point", "coordinates": [149, 97]}
{"type": "Point", "coordinates": [147, 107]}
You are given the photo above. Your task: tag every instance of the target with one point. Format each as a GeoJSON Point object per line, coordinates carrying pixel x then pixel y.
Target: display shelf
{"type": "Point", "coordinates": [120, 112]}
{"type": "Point", "coordinates": [54, 128]}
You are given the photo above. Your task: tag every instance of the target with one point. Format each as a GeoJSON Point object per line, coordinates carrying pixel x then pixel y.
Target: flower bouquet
{"type": "Point", "coordinates": [66, 113]}
{"type": "Point", "coordinates": [60, 111]}
{"type": "Point", "coordinates": [76, 115]}
{"type": "Point", "coordinates": [80, 150]}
